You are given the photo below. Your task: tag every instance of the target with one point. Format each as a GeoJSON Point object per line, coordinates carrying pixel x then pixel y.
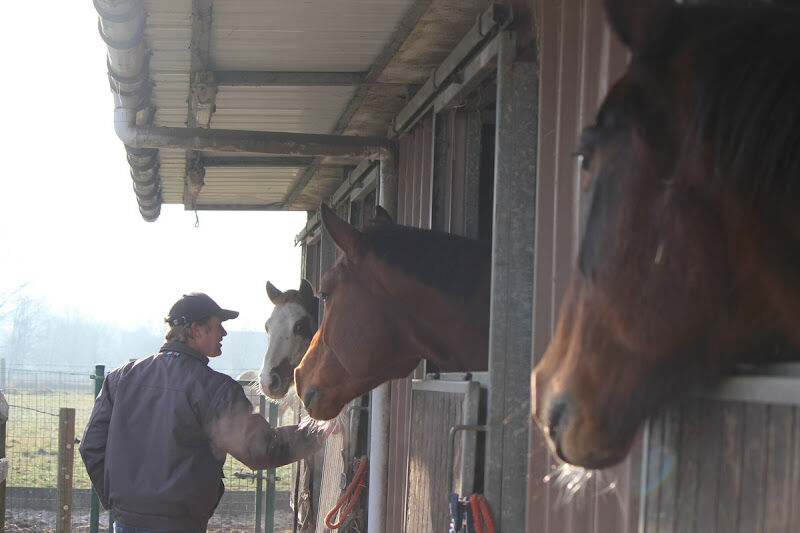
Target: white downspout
{"type": "Point", "coordinates": [380, 396]}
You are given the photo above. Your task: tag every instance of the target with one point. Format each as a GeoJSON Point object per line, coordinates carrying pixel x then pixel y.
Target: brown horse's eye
{"type": "Point", "coordinates": [586, 146]}
{"type": "Point", "coordinates": [322, 296]}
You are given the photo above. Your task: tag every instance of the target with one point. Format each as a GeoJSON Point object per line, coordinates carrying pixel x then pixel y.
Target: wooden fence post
{"type": "Point", "coordinates": [66, 459]}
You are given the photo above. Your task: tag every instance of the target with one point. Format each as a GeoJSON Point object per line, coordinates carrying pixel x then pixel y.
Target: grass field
{"type": "Point", "coordinates": [35, 398]}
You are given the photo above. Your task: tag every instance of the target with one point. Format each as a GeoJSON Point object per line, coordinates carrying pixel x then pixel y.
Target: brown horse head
{"type": "Point", "coordinates": [396, 295]}
{"type": "Point", "coordinates": [290, 326]}
{"type": "Point", "coordinates": [690, 256]}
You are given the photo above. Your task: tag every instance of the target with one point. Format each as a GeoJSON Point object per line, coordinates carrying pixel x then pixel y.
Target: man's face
{"type": "Point", "coordinates": [207, 338]}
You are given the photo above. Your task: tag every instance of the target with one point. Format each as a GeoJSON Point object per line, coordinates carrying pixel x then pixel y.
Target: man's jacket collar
{"type": "Point", "coordinates": [172, 346]}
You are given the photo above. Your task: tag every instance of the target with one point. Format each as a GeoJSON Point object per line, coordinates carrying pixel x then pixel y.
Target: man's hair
{"type": "Point", "coordinates": [182, 332]}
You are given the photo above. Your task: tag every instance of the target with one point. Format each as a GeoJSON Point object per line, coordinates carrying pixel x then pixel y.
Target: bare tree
{"type": "Point", "coordinates": [7, 298]}
{"type": "Point", "coordinates": [25, 325]}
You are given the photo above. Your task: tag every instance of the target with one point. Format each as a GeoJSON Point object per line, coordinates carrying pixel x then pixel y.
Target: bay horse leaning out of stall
{"type": "Point", "coordinates": [396, 295]}
{"type": "Point", "coordinates": [290, 327]}
{"type": "Point", "coordinates": [690, 259]}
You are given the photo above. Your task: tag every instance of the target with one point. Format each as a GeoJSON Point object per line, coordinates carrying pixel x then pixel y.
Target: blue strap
{"type": "Point", "coordinates": [456, 520]}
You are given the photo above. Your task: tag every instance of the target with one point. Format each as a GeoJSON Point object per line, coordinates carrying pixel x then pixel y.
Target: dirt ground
{"type": "Point", "coordinates": [26, 521]}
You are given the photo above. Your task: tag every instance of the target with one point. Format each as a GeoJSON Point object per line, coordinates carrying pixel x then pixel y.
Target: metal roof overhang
{"type": "Point", "coordinates": [265, 105]}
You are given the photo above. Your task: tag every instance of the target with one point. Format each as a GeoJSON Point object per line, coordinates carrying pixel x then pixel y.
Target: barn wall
{"type": "Point", "coordinates": [724, 465]}
{"type": "Point", "coordinates": [457, 155]}
{"type": "Point", "coordinates": [579, 59]}
{"type": "Point", "coordinates": [310, 263]}
{"type": "Point", "coordinates": [439, 173]}
{"type": "Point", "coordinates": [414, 192]}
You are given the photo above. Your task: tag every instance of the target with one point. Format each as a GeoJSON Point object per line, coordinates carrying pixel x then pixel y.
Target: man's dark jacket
{"type": "Point", "coordinates": [158, 435]}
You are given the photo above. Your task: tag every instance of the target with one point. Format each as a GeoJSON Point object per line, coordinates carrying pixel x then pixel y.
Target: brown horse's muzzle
{"type": "Point", "coordinates": [571, 433]}
{"type": "Point", "coordinates": [581, 408]}
{"type": "Point", "coordinates": [321, 382]}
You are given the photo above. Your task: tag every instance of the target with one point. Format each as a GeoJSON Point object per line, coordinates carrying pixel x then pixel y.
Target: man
{"type": "Point", "coordinates": [161, 428]}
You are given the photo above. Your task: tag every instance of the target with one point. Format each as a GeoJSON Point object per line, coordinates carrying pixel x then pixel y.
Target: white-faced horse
{"type": "Point", "coordinates": [290, 328]}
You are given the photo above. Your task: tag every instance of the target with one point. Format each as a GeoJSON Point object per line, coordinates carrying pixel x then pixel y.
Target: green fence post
{"type": "Point", "coordinates": [259, 481]}
{"type": "Point", "coordinates": [94, 501]}
{"type": "Point", "coordinates": [269, 508]}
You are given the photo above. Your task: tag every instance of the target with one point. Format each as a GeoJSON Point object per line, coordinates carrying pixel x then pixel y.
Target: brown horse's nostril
{"type": "Point", "coordinates": [310, 395]}
{"type": "Point", "coordinates": [557, 420]}
{"type": "Point", "coordinates": [274, 382]}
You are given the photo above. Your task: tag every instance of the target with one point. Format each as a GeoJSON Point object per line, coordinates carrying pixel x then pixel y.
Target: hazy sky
{"type": "Point", "coordinates": [69, 223]}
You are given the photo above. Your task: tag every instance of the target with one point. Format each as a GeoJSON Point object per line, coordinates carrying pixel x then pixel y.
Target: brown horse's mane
{"type": "Point", "coordinates": [446, 262]}
{"type": "Point", "coordinates": [745, 99]}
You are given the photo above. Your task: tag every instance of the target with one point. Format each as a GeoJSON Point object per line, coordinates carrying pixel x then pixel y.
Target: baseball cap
{"type": "Point", "coordinates": [194, 307]}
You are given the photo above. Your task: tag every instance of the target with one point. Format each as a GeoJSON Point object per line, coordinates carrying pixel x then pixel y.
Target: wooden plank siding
{"type": "Point", "coordinates": [722, 466]}
{"type": "Point", "coordinates": [578, 59]}
{"type": "Point", "coordinates": [438, 175]}
{"type": "Point", "coordinates": [331, 471]}
{"type": "Point", "coordinates": [455, 203]}
{"type": "Point", "coordinates": [414, 187]}
{"type": "Point", "coordinates": [432, 415]}
{"type": "Point", "coordinates": [311, 266]}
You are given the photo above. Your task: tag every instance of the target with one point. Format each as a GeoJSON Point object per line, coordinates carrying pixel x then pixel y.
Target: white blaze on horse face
{"type": "Point", "coordinates": [284, 343]}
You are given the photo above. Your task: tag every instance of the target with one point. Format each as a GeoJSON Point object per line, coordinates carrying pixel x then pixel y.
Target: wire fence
{"type": "Point", "coordinates": [35, 397]}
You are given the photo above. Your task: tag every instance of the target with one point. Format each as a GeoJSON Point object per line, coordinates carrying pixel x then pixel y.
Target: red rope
{"type": "Point", "coordinates": [476, 513]}
{"type": "Point", "coordinates": [355, 489]}
{"type": "Point", "coordinates": [480, 509]}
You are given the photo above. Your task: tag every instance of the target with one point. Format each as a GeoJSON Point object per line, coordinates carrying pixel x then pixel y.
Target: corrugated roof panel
{"type": "Point", "coordinates": [252, 174]}
{"type": "Point", "coordinates": [295, 109]}
{"type": "Point", "coordinates": [246, 186]}
{"type": "Point", "coordinates": [322, 35]}
{"type": "Point", "coordinates": [274, 35]}
{"type": "Point", "coordinates": [168, 33]}
{"type": "Point", "coordinates": [172, 168]}
{"type": "Point", "coordinates": [233, 192]}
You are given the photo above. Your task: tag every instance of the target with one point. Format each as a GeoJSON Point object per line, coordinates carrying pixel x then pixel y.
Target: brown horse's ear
{"type": "Point", "coordinates": [346, 237]}
{"type": "Point", "coordinates": [638, 22]}
{"type": "Point", "coordinates": [306, 291]}
{"type": "Point", "coordinates": [275, 295]}
{"type": "Point", "coordinates": [381, 215]}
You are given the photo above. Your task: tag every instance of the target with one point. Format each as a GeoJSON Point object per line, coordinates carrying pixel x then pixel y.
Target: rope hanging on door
{"type": "Point", "coordinates": [480, 509]}
{"type": "Point", "coordinates": [355, 489]}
